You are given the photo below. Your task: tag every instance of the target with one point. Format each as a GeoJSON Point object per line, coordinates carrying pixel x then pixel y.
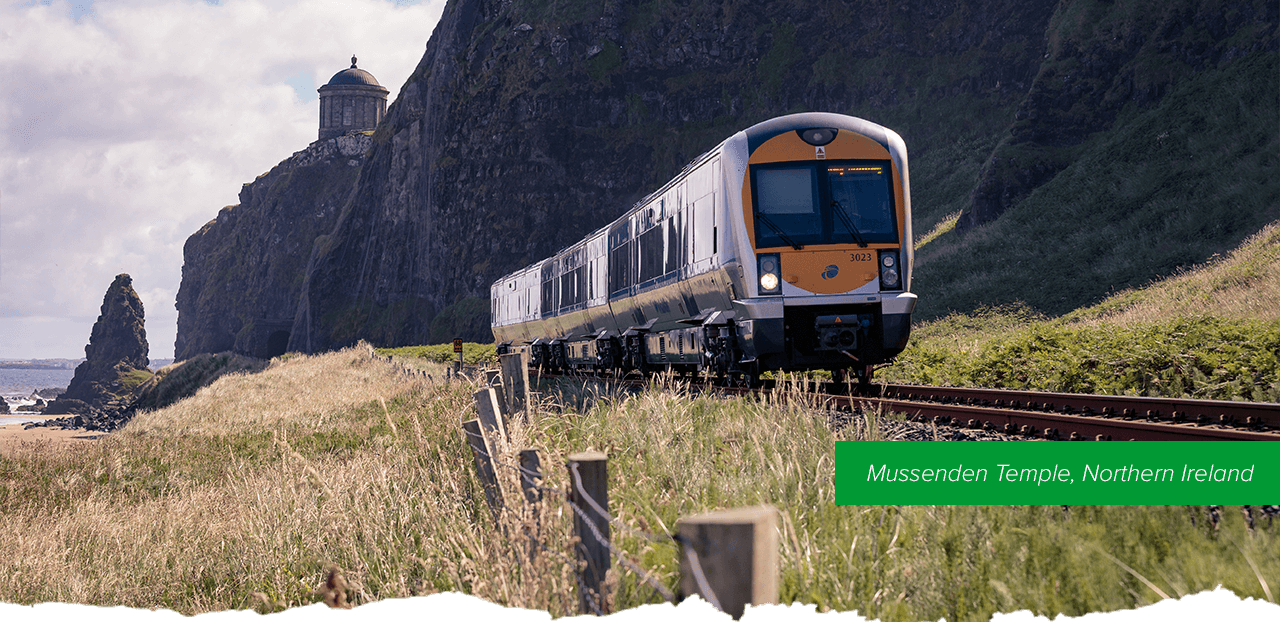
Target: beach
{"type": "Point", "coordinates": [15, 436]}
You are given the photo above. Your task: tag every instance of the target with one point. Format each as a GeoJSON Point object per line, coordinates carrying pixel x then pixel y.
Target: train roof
{"type": "Point", "coordinates": [765, 130]}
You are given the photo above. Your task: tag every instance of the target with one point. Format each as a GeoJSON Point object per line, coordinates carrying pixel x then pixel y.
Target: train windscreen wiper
{"type": "Point", "coordinates": [844, 218]}
{"type": "Point", "coordinates": [783, 235]}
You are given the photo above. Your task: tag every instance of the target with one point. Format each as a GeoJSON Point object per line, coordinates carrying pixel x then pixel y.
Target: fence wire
{"type": "Point", "coordinates": [644, 575]}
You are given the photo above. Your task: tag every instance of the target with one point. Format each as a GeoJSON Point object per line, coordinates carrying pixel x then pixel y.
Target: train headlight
{"type": "Point", "coordinates": [889, 277]}
{"type": "Point", "coordinates": [769, 267]}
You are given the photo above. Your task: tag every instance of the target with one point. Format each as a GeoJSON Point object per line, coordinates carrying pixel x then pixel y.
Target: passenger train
{"type": "Point", "coordinates": [787, 247]}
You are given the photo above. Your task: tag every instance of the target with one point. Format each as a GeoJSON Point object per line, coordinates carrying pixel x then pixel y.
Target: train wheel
{"type": "Point", "coordinates": [863, 375]}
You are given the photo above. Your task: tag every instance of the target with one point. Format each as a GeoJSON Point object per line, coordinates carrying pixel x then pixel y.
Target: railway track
{"type": "Point", "coordinates": [1058, 416]}
{"type": "Point", "coordinates": [1061, 416]}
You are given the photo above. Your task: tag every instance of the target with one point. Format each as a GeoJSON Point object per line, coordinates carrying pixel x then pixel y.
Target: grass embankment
{"type": "Point", "coordinates": [472, 353]}
{"type": "Point", "coordinates": [242, 495]}
{"type": "Point", "coordinates": [1211, 333]}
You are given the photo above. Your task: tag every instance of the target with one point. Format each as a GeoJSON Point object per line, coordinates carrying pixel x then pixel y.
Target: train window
{"type": "Point", "coordinates": [861, 203]}
{"type": "Point", "coordinates": [651, 251]}
{"type": "Point", "coordinates": [823, 203]}
{"type": "Point", "coordinates": [787, 191]}
{"type": "Point", "coordinates": [787, 206]}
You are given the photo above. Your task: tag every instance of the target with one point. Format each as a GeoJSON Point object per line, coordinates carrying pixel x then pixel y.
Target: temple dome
{"type": "Point", "coordinates": [353, 76]}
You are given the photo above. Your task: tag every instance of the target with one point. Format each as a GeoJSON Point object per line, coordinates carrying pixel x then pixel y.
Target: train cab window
{"type": "Point", "coordinates": [787, 211]}
{"type": "Point", "coordinates": [861, 204]}
{"type": "Point", "coordinates": [835, 202]}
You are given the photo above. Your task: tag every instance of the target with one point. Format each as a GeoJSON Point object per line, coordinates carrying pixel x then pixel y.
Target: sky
{"type": "Point", "coordinates": [125, 125]}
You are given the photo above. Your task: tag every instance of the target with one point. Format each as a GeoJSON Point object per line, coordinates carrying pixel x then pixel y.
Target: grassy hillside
{"type": "Point", "coordinates": [244, 495]}
{"type": "Point", "coordinates": [1211, 332]}
{"type": "Point", "coordinates": [1164, 189]}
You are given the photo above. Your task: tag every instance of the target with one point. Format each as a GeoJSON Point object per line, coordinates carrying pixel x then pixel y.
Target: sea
{"type": "Point", "coordinates": [17, 384]}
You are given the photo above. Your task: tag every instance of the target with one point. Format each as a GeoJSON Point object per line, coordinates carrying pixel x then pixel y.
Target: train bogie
{"type": "Point", "coordinates": [786, 247]}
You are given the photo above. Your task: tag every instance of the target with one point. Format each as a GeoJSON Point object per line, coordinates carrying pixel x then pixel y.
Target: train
{"type": "Point", "coordinates": [787, 247]}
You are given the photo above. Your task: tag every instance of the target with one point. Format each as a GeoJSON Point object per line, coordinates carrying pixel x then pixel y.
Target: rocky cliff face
{"type": "Point", "coordinates": [115, 358]}
{"type": "Point", "coordinates": [242, 272]}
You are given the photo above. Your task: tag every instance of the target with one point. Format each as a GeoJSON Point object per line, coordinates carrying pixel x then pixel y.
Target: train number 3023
{"type": "Point", "coordinates": [861, 256]}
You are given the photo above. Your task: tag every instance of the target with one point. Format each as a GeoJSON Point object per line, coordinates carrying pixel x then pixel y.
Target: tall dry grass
{"type": "Point", "coordinates": [1244, 284]}
{"type": "Point", "coordinates": [243, 493]}
{"type": "Point", "coordinates": [247, 494]}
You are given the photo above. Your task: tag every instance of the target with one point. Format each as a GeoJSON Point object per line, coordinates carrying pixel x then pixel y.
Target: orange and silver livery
{"type": "Point", "coordinates": [786, 247]}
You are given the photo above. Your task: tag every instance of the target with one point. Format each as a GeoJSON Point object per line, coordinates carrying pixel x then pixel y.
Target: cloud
{"type": "Point", "coordinates": [125, 125]}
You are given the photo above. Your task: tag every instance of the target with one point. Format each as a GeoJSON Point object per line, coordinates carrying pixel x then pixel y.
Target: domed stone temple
{"type": "Point", "coordinates": [352, 101]}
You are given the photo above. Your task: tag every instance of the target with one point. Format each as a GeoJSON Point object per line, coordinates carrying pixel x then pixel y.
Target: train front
{"type": "Point", "coordinates": [826, 216]}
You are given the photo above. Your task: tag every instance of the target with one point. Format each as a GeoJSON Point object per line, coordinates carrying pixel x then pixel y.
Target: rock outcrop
{"type": "Point", "coordinates": [242, 272]}
{"type": "Point", "coordinates": [115, 358]}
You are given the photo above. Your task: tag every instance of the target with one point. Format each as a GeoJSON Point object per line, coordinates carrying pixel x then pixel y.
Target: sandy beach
{"type": "Point", "coordinates": [13, 436]}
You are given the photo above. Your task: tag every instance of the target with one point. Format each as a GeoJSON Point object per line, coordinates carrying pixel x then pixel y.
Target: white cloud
{"type": "Point", "coordinates": [126, 124]}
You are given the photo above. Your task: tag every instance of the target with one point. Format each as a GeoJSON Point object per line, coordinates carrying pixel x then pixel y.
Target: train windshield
{"type": "Point", "coordinates": [823, 203]}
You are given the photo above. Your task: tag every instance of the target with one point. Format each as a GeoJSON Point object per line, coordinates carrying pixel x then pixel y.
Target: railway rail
{"type": "Point", "coordinates": [1053, 415]}
{"type": "Point", "coordinates": [1058, 416]}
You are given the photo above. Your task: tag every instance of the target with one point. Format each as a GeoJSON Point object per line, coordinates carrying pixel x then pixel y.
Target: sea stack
{"type": "Point", "coordinates": [115, 358]}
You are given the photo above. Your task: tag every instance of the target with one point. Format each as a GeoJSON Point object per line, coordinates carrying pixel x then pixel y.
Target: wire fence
{"type": "Point", "coordinates": [705, 543]}
{"type": "Point", "coordinates": [595, 518]}
{"type": "Point", "coordinates": [528, 476]}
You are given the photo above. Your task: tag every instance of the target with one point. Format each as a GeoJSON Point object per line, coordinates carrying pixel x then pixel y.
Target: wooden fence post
{"type": "Point", "coordinates": [482, 451]}
{"type": "Point", "coordinates": [589, 477]}
{"type": "Point", "coordinates": [515, 381]}
{"type": "Point", "coordinates": [490, 413]}
{"type": "Point", "coordinates": [531, 475]}
{"type": "Point", "coordinates": [530, 481]}
{"type": "Point", "coordinates": [501, 396]}
{"type": "Point", "coordinates": [736, 554]}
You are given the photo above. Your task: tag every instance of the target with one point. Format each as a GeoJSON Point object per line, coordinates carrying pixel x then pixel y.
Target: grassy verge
{"type": "Point", "coordinates": [1212, 332]}
{"type": "Point", "coordinates": [472, 353]}
{"type": "Point", "coordinates": [242, 495]}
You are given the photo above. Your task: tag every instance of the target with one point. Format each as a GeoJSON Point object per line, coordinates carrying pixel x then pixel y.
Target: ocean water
{"type": "Point", "coordinates": [16, 384]}
{"type": "Point", "coordinates": [19, 419]}
{"type": "Point", "coordinates": [22, 381]}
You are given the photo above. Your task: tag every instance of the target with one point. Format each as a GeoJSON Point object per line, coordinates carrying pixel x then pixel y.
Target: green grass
{"type": "Point", "coordinates": [182, 379]}
{"type": "Point", "coordinates": [1205, 358]}
{"type": "Point", "coordinates": [472, 353]}
{"type": "Point", "coordinates": [1212, 333]}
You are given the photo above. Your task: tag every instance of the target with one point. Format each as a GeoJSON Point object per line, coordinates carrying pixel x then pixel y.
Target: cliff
{"type": "Point", "coordinates": [115, 358]}
{"type": "Point", "coordinates": [242, 273]}
{"type": "Point", "coordinates": [527, 125]}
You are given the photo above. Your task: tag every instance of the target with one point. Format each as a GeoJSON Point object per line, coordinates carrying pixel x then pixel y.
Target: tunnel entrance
{"type": "Point", "coordinates": [277, 343]}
